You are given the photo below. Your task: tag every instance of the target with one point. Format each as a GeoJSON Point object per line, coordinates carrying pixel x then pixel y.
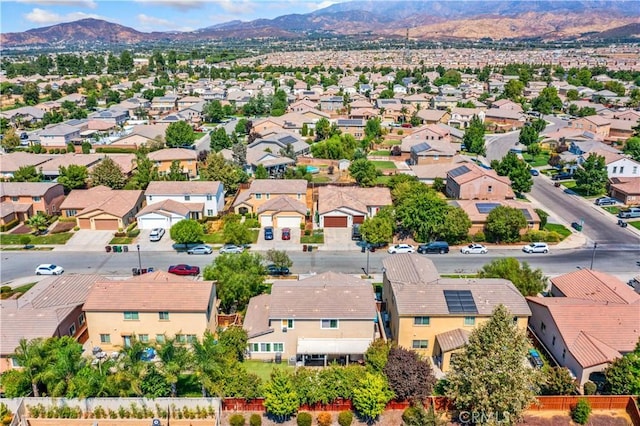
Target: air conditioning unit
{"type": "Point", "coordinates": [284, 329]}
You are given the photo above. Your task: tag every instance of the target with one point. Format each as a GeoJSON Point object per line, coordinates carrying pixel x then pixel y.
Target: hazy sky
{"type": "Point", "coordinates": [147, 15]}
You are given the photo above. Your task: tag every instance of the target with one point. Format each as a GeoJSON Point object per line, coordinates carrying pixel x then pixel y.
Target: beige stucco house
{"type": "Point", "coordinates": [344, 206]}
{"type": "Point", "coordinates": [472, 182]}
{"type": "Point", "coordinates": [103, 208]}
{"type": "Point", "coordinates": [279, 203]}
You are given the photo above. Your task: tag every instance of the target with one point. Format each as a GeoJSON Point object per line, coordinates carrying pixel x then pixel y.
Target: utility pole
{"type": "Point", "coordinates": [593, 254]}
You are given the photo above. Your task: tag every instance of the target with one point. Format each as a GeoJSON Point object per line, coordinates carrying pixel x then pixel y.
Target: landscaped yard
{"type": "Point", "coordinates": [18, 290]}
{"type": "Point", "coordinates": [383, 179]}
{"type": "Point", "coordinates": [121, 240]}
{"type": "Point", "coordinates": [560, 229]}
{"type": "Point", "coordinates": [380, 153]}
{"type": "Point", "coordinates": [263, 369]}
{"type": "Point", "coordinates": [541, 159]}
{"type": "Point", "coordinates": [12, 239]}
{"type": "Point", "coordinates": [635, 224]}
{"type": "Point", "coordinates": [317, 237]}
{"type": "Point", "coordinates": [383, 165]}
{"type": "Point", "coordinates": [612, 209]}
{"type": "Point", "coordinates": [320, 179]}
{"type": "Point", "coordinates": [218, 237]}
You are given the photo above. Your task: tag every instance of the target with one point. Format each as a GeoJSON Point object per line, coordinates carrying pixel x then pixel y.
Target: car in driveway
{"type": "Point", "coordinates": [441, 247]}
{"type": "Point", "coordinates": [268, 233]}
{"type": "Point", "coordinates": [286, 234]}
{"type": "Point", "coordinates": [629, 213]}
{"type": "Point", "coordinates": [49, 269]}
{"type": "Point", "coordinates": [605, 201]}
{"type": "Point", "coordinates": [184, 269]}
{"type": "Point", "coordinates": [200, 249]}
{"type": "Point", "coordinates": [562, 176]}
{"type": "Point", "coordinates": [156, 234]}
{"type": "Point", "coordinates": [534, 172]}
{"type": "Point", "coordinates": [536, 248]}
{"type": "Point", "coordinates": [230, 248]}
{"type": "Point", "coordinates": [474, 249]}
{"type": "Point", "coordinates": [401, 248]}
{"type": "Point", "coordinates": [277, 271]}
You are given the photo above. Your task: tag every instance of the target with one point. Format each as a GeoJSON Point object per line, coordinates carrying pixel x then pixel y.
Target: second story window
{"type": "Point", "coordinates": [209, 197]}
{"type": "Point", "coordinates": [187, 197]}
{"type": "Point", "coordinates": [72, 330]}
{"type": "Point", "coordinates": [81, 319]}
{"type": "Point", "coordinates": [131, 316]}
{"type": "Point", "coordinates": [36, 199]}
{"type": "Point", "coordinates": [329, 323]}
{"type": "Point", "coordinates": [163, 316]}
{"type": "Point", "coordinates": [421, 320]}
{"type": "Point", "coordinates": [469, 321]}
{"type": "Point", "coordinates": [287, 323]}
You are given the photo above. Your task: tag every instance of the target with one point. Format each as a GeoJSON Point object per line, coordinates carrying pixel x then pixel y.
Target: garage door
{"type": "Point", "coordinates": [266, 220]}
{"type": "Point", "coordinates": [84, 223]}
{"type": "Point", "coordinates": [151, 223]}
{"type": "Point", "coordinates": [358, 219]}
{"type": "Point", "coordinates": [288, 221]}
{"type": "Point", "coordinates": [106, 224]}
{"type": "Point", "coordinates": [335, 221]}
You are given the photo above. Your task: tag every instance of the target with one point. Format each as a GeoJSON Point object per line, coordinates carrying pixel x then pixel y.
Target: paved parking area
{"type": "Point", "coordinates": [277, 243]}
{"type": "Point", "coordinates": [87, 240]}
{"type": "Point", "coordinates": [338, 239]}
{"type": "Point", "coordinates": [165, 244]}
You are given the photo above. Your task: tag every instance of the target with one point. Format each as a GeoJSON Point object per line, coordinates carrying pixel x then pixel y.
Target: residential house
{"type": "Point", "coordinates": [444, 102]}
{"type": "Point", "coordinates": [58, 135]}
{"type": "Point", "coordinates": [323, 318]}
{"type": "Point", "coordinates": [594, 123]}
{"type": "Point", "coordinates": [331, 103]}
{"type": "Point", "coordinates": [429, 134]}
{"type": "Point", "coordinates": [427, 173]}
{"type": "Point", "coordinates": [352, 126]}
{"type": "Point", "coordinates": [278, 141]}
{"type": "Point", "coordinates": [261, 198]}
{"type": "Point", "coordinates": [192, 114]}
{"type": "Point", "coordinates": [434, 316]}
{"type": "Point", "coordinates": [506, 119]}
{"type": "Point", "coordinates": [302, 106]}
{"type": "Point", "coordinates": [102, 208]}
{"type": "Point", "coordinates": [344, 206]}
{"type": "Point", "coordinates": [618, 165]}
{"type": "Point", "coordinates": [51, 308]}
{"type": "Point", "coordinates": [620, 130]}
{"type": "Point", "coordinates": [10, 163]}
{"type": "Point", "coordinates": [115, 116]}
{"type": "Point", "coordinates": [22, 116]}
{"type": "Point", "coordinates": [150, 308]}
{"type": "Point", "coordinates": [573, 335]}
{"type": "Point", "coordinates": [143, 135]}
{"type": "Point", "coordinates": [21, 200]}
{"type": "Point", "coordinates": [188, 101]}
{"type": "Point", "coordinates": [187, 158]}
{"type": "Point", "coordinates": [472, 182]}
{"type": "Point", "coordinates": [433, 116]}
{"type": "Point", "coordinates": [626, 190]}
{"type": "Point", "coordinates": [507, 104]}
{"type": "Point", "coordinates": [432, 152]}
{"type": "Point", "coordinates": [478, 211]}
{"type": "Point", "coordinates": [461, 117]}
{"type": "Point", "coordinates": [51, 169]}
{"type": "Point", "coordinates": [275, 163]}
{"type": "Point", "coordinates": [170, 202]}
{"type": "Point", "coordinates": [419, 100]}
{"type": "Point", "coordinates": [163, 104]}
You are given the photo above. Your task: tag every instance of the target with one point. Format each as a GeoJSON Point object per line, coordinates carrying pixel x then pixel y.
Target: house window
{"type": "Point", "coordinates": [420, 344]}
{"type": "Point", "coordinates": [209, 212]}
{"type": "Point", "coordinates": [469, 321]}
{"type": "Point", "coordinates": [72, 330]}
{"type": "Point", "coordinates": [621, 169]}
{"type": "Point", "coordinates": [268, 195]}
{"type": "Point", "coordinates": [543, 327]}
{"type": "Point", "coordinates": [278, 347]}
{"type": "Point", "coordinates": [36, 198]}
{"type": "Point", "coordinates": [209, 197]}
{"type": "Point", "coordinates": [131, 316]}
{"type": "Point", "coordinates": [258, 196]}
{"type": "Point", "coordinates": [181, 338]}
{"type": "Point", "coordinates": [287, 323]}
{"type": "Point", "coordinates": [15, 363]}
{"type": "Point", "coordinates": [265, 347]}
{"type": "Point", "coordinates": [329, 323]}
{"type": "Point", "coordinates": [191, 338]}
{"type": "Point", "coordinates": [564, 353]}
{"type": "Point", "coordinates": [490, 189]}
{"type": "Point", "coordinates": [187, 197]}
{"type": "Point", "coordinates": [254, 347]}
{"type": "Point", "coordinates": [163, 316]}
{"type": "Point", "coordinates": [81, 319]}
{"type": "Point", "coordinates": [105, 338]}
{"type": "Point", "coordinates": [615, 169]}
{"type": "Point", "coordinates": [635, 170]}
{"type": "Point", "coordinates": [71, 213]}
{"type": "Point", "coordinates": [421, 321]}
{"type": "Point", "coordinates": [160, 338]}
{"type": "Point", "coordinates": [553, 341]}
{"type": "Point", "coordinates": [299, 196]}
{"type": "Point", "coordinates": [15, 199]}
{"type": "Point", "coordinates": [150, 197]}
{"type": "Point", "coordinates": [144, 338]}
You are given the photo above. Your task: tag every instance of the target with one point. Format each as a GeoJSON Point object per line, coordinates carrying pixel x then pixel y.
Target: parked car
{"type": "Point", "coordinates": [230, 248]}
{"type": "Point", "coordinates": [535, 358]}
{"type": "Point", "coordinates": [156, 234]}
{"type": "Point", "coordinates": [355, 232]}
{"type": "Point", "coordinates": [536, 248]}
{"type": "Point", "coordinates": [605, 201]}
{"type": "Point", "coordinates": [268, 233]}
{"type": "Point", "coordinates": [441, 247]}
{"type": "Point", "coordinates": [49, 269]}
{"type": "Point", "coordinates": [286, 234]}
{"type": "Point", "coordinates": [200, 249]}
{"type": "Point", "coordinates": [562, 176]}
{"type": "Point", "coordinates": [407, 125]}
{"type": "Point", "coordinates": [534, 172]}
{"type": "Point", "coordinates": [474, 249]}
{"type": "Point", "coordinates": [629, 213]}
{"type": "Point", "coordinates": [277, 270]}
{"type": "Point", "coordinates": [401, 248]}
{"type": "Point", "coordinates": [183, 269]}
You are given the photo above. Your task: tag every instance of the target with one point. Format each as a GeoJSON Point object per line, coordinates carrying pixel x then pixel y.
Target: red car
{"type": "Point", "coordinates": [184, 270]}
{"type": "Point", "coordinates": [286, 233]}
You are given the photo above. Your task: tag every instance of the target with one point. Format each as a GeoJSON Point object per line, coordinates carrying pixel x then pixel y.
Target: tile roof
{"type": "Point", "coordinates": [13, 161]}
{"type": "Point", "coordinates": [31, 189]}
{"type": "Point", "coordinates": [595, 285]}
{"type": "Point", "coordinates": [329, 295]}
{"type": "Point", "coordinates": [256, 320]}
{"type": "Point", "coordinates": [283, 203]}
{"type": "Point", "coordinates": [170, 154]}
{"type": "Point", "coordinates": [153, 292]}
{"type": "Point", "coordinates": [171, 206]}
{"type": "Point", "coordinates": [476, 172]}
{"type": "Point", "coordinates": [53, 166]}
{"type": "Point", "coordinates": [272, 186]}
{"type": "Point", "coordinates": [80, 198]}
{"type": "Point", "coordinates": [627, 185]}
{"type": "Point", "coordinates": [409, 269]}
{"type": "Point", "coordinates": [476, 213]}
{"type": "Point", "coordinates": [118, 202]}
{"type": "Point", "coordinates": [183, 188]}
{"type": "Point", "coordinates": [353, 197]}
{"type": "Point", "coordinates": [453, 339]}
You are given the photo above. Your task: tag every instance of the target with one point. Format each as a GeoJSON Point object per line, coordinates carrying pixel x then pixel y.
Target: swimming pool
{"type": "Point", "coordinates": [313, 169]}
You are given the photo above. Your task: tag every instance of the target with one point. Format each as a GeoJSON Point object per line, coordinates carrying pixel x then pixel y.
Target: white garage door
{"type": "Point", "coordinates": [288, 221]}
{"type": "Point", "coordinates": [152, 222]}
{"type": "Point", "coordinates": [266, 220]}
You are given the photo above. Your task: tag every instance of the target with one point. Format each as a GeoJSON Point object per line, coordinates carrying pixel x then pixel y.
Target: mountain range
{"type": "Point", "coordinates": [422, 20]}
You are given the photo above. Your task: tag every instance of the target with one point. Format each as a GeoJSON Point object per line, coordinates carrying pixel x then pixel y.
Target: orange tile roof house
{"type": "Point", "coordinates": [626, 190]}
{"type": "Point", "coordinates": [592, 319]}
{"type": "Point", "coordinates": [472, 182]}
{"type": "Point", "coordinates": [149, 307]}
{"type": "Point", "coordinates": [329, 316]}
{"type": "Point", "coordinates": [10, 163]}
{"type": "Point", "coordinates": [102, 208]}
{"type": "Point", "coordinates": [342, 207]}
{"type": "Point", "coordinates": [263, 197]}
{"type": "Point", "coordinates": [21, 200]}
{"type": "Point", "coordinates": [187, 158]}
{"type": "Point", "coordinates": [51, 308]}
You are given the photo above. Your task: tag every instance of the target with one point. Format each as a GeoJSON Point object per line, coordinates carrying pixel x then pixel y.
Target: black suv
{"type": "Point", "coordinates": [562, 176]}
{"type": "Point", "coordinates": [441, 247]}
{"type": "Point", "coordinates": [274, 270]}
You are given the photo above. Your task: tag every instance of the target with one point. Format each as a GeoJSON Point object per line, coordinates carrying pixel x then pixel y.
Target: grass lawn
{"type": "Point", "coordinates": [18, 290]}
{"type": "Point", "coordinates": [383, 179]}
{"type": "Point", "coordinates": [541, 159]}
{"type": "Point", "coordinates": [612, 209]}
{"type": "Point", "coordinates": [315, 238]}
{"type": "Point", "coordinates": [218, 237]}
{"type": "Point", "coordinates": [560, 229]}
{"type": "Point", "coordinates": [380, 165]}
{"type": "Point", "coordinates": [321, 179]}
{"type": "Point", "coordinates": [121, 240]}
{"type": "Point", "coordinates": [391, 142]}
{"type": "Point", "coordinates": [380, 153]}
{"type": "Point", "coordinates": [14, 239]}
{"type": "Point", "coordinates": [264, 369]}
{"type": "Point", "coordinates": [635, 224]}
{"type": "Point", "coordinates": [571, 184]}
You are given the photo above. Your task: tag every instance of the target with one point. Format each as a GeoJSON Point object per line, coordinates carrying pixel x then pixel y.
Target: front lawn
{"type": "Point", "coordinates": [316, 237]}
{"type": "Point", "coordinates": [384, 165]}
{"type": "Point", "coordinates": [635, 224]}
{"type": "Point", "coordinates": [321, 179]}
{"type": "Point", "coordinates": [380, 153]}
{"type": "Point", "coordinates": [571, 184]}
{"type": "Point", "coordinates": [19, 291]}
{"type": "Point", "coordinates": [263, 369]}
{"type": "Point", "coordinates": [12, 239]}
{"type": "Point", "coordinates": [612, 209]}
{"type": "Point", "coordinates": [121, 240]}
{"type": "Point", "coordinates": [218, 237]}
{"type": "Point", "coordinates": [541, 159]}
{"type": "Point", "coordinates": [560, 229]}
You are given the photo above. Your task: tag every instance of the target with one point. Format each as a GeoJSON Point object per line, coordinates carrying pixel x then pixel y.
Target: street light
{"type": "Point", "coordinates": [593, 254]}
{"type": "Point", "coordinates": [366, 248]}
{"type": "Point", "coordinates": [139, 260]}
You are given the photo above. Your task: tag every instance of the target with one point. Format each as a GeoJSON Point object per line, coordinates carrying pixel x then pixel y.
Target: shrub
{"type": "Point", "coordinates": [581, 412]}
{"type": "Point", "coordinates": [255, 420]}
{"type": "Point", "coordinates": [131, 226]}
{"type": "Point", "coordinates": [304, 419]}
{"type": "Point", "coordinates": [345, 418]}
{"type": "Point", "coordinates": [133, 233]}
{"type": "Point", "coordinates": [409, 415]}
{"type": "Point", "coordinates": [252, 223]}
{"type": "Point", "coordinates": [307, 232]}
{"type": "Point", "coordinates": [25, 239]}
{"type": "Point", "coordinates": [479, 237]}
{"type": "Point", "coordinates": [9, 225]}
{"type": "Point", "coordinates": [76, 228]}
{"type": "Point", "coordinates": [324, 419]}
{"type": "Point", "coordinates": [543, 217]}
{"type": "Point", "coordinates": [590, 388]}
{"type": "Point", "coordinates": [5, 289]}
{"type": "Point", "coordinates": [441, 387]}
{"type": "Point", "coordinates": [236, 420]}
{"type": "Point", "coordinates": [400, 132]}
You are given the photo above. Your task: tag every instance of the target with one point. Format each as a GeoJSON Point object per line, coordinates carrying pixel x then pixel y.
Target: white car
{"type": "Point", "coordinates": [401, 248]}
{"type": "Point", "coordinates": [49, 269]}
{"type": "Point", "coordinates": [474, 249]}
{"type": "Point", "coordinates": [230, 248]}
{"type": "Point", "coordinates": [536, 248]}
{"type": "Point", "coordinates": [201, 249]}
{"type": "Point", "coordinates": [156, 234]}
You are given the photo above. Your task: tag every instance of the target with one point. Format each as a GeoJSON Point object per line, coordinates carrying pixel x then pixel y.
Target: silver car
{"type": "Point", "coordinates": [201, 249]}
{"type": "Point", "coordinates": [230, 248]}
{"type": "Point", "coordinates": [49, 269]}
{"type": "Point", "coordinates": [536, 248]}
{"type": "Point", "coordinates": [156, 234]}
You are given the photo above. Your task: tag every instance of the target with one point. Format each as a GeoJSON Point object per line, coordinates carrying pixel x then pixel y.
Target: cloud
{"type": "Point", "coordinates": [152, 23]}
{"type": "Point", "coordinates": [322, 5]}
{"type": "Point", "coordinates": [89, 4]}
{"type": "Point", "coordinates": [41, 16]}
{"type": "Point", "coordinates": [182, 5]}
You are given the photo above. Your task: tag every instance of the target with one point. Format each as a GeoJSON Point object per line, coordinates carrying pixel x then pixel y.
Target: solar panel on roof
{"type": "Point", "coordinates": [459, 171]}
{"type": "Point", "coordinates": [460, 301]}
{"type": "Point", "coordinates": [485, 208]}
{"type": "Point", "coordinates": [288, 140]}
{"type": "Point", "coordinates": [526, 214]}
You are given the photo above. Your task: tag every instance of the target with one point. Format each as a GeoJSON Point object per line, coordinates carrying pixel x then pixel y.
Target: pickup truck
{"type": "Point", "coordinates": [629, 213]}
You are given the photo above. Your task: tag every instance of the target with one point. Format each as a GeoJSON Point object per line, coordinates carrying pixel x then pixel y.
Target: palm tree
{"type": "Point", "coordinates": [64, 360]}
{"type": "Point", "coordinates": [130, 369]}
{"type": "Point", "coordinates": [38, 223]}
{"type": "Point", "coordinates": [404, 111]}
{"type": "Point", "coordinates": [174, 358]}
{"type": "Point", "coordinates": [30, 355]}
{"type": "Point", "coordinates": [205, 364]}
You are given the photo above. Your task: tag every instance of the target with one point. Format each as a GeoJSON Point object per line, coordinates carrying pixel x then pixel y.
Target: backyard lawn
{"type": "Point", "coordinates": [383, 179]}
{"type": "Point", "coordinates": [14, 239]}
{"type": "Point", "coordinates": [263, 369]}
{"type": "Point", "coordinates": [541, 159]}
{"type": "Point", "coordinates": [380, 153]}
{"type": "Point", "coordinates": [382, 165]}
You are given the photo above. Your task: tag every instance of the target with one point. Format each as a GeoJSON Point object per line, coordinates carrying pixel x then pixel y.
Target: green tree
{"type": "Point", "coordinates": [513, 90]}
{"type": "Point", "coordinates": [174, 360]}
{"type": "Point", "coordinates": [27, 174]}
{"type": "Point", "coordinates": [371, 396]}
{"type": "Point", "coordinates": [364, 172]}
{"type": "Point", "coordinates": [530, 282]}
{"type": "Point", "coordinates": [243, 126]}
{"type": "Point", "coordinates": [30, 93]}
{"type": "Point", "coordinates": [261, 172]}
{"type": "Point", "coordinates": [207, 364]}
{"type": "Point", "coordinates": [632, 148]}
{"type": "Point", "coordinates": [373, 129]}
{"type": "Point", "coordinates": [528, 135]}
{"type": "Point", "coordinates": [239, 277]}
{"type": "Point", "coordinates": [126, 62]}
{"type": "Point", "coordinates": [504, 224]}
{"type": "Point", "coordinates": [335, 148]}
{"type": "Point", "coordinates": [10, 139]}
{"type": "Point", "coordinates": [323, 129]}
{"type": "Point", "coordinates": [175, 172]}
{"type": "Point", "coordinates": [305, 130]}
{"type": "Point", "coordinates": [64, 359]}
{"type": "Point", "coordinates": [179, 134]}
{"type": "Point", "coordinates": [422, 213]}
{"type": "Point", "coordinates": [547, 101]}
{"type": "Point", "coordinates": [236, 233]}
{"type": "Point", "coordinates": [489, 376]}
{"type": "Point", "coordinates": [534, 149]}
{"type": "Point", "coordinates": [146, 171]}
{"type": "Point", "coordinates": [592, 177]}
{"type": "Point", "coordinates": [581, 412]}
{"type": "Point", "coordinates": [31, 356]}
{"type": "Point", "coordinates": [216, 168]}
{"type": "Point", "coordinates": [38, 222]}
{"type": "Point", "coordinates": [473, 137]}
{"type": "Point", "coordinates": [219, 140]}
{"type": "Point", "coordinates": [187, 231]}
{"type": "Point", "coordinates": [573, 95]}
{"type": "Point", "coordinates": [280, 258]}
{"type": "Point", "coordinates": [377, 229]}
{"type": "Point", "coordinates": [213, 112]}
{"type": "Point", "coordinates": [280, 396]}
{"type": "Point", "coordinates": [73, 177]}
{"type": "Point", "coordinates": [15, 383]}
{"type": "Point", "coordinates": [456, 226]}
{"type": "Point", "coordinates": [557, 381]}
{"type": "Point", "coordinates": [623, 375]}
{"type": "Point", "coordinates": [377, 355]}
{"type": "Point", "coordinates": [539, 124]}
{"type": "Point", "coordinates": [108, 173]}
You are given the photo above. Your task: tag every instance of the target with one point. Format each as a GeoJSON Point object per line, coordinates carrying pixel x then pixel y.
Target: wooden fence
{"type": "Point", "coordinates": [597, 402]}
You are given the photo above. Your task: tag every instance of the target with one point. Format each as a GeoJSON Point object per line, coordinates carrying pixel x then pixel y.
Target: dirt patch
{"type": "Point", "coordinates": [63, 227]}
{"type": "Point", "coordinates": [21, 229]}
{"type": "Point", "coordinates": [561, 418]}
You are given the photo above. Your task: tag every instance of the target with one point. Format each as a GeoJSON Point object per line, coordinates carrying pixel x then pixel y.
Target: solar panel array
{"type": "Point", "coordinates": [459, 171]}
{"type": "Point", "coordinates": [485, 208]}
{"type": "Point", "coordinates": [288, 140]}
{"type": "Point", "coordinates": [460, 302]}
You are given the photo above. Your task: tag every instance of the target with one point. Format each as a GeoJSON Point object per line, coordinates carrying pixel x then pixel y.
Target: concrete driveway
{"type": "Point", "coordinates": [165, 244]}
{"type": "Point", "coordinates": [278, 243]}
{"type": "Point", "coordinates": [87, 240]}
{"type": "Point", "coordinates": [338, 239]}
